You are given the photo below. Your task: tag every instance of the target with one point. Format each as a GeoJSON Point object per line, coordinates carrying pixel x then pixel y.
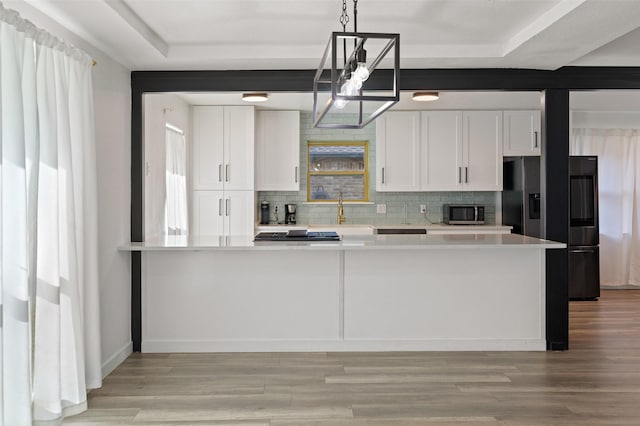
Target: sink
{"type": "Point", "coordinates": [350, 229]}
{"type": "Point", "coordinates": [403, 231]}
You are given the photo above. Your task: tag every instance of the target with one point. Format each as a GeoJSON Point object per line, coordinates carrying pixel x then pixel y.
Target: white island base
{"type": "Point", "coordinates": [392, 293]}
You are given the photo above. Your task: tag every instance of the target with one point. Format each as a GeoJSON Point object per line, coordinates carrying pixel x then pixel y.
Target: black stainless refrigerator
{"type": "Point", "coordinates": [521, 210]}
{"type": "Point", "coordinates": [521, 195]}
{"type": "Point", "coordinates": [584, 256]}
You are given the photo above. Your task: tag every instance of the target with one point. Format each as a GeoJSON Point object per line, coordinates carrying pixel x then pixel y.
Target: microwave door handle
{"type": "Point", "coordinates": [475, 214]}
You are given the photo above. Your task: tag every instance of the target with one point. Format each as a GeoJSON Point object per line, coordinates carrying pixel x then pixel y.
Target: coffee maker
{"type": "Point", "coordinates": [264, 213]}
{"type": "Point", "coordinates": [290, 214]}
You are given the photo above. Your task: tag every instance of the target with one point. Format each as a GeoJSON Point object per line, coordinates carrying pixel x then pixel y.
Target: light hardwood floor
{"type": "Point", "coordinates": [596, 382]}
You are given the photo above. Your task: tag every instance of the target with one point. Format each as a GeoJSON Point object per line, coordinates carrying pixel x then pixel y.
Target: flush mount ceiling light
{"type": "Point", "coordinates": [255, 97]}
{"type": "Point", "coordinates": [343, 76]}
{"type": "Point", "coordinates": [425, 96]}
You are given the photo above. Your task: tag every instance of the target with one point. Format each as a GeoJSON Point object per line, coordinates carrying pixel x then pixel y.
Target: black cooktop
{"type": "Point", "coordinates": [297, 235]}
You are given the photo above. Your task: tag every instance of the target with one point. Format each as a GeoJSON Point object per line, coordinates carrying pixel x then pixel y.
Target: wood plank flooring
{"type": "Point", "coordinates": [596, 382]}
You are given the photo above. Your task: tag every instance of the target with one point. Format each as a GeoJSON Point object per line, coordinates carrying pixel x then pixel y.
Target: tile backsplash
{"type": "Point", "coordinates": [401, 207]}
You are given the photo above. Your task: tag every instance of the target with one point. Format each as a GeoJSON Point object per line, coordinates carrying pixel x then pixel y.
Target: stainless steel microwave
{"type": "Point", "coordinates": [463, 214]}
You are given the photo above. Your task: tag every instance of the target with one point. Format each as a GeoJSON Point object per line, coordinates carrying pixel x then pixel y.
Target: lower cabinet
{"type": "Point", "coordinates": [223, 212]}
{"type": "Point", "coordinates": [584, 272]}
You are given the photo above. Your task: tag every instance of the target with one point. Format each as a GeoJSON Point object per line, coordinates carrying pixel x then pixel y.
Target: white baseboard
{"type": "Point", "coordinates": [116, 359]}
{"type": "Point", "coordinates": [382, 345]}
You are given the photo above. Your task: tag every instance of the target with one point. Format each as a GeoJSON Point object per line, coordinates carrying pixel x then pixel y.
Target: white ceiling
{"type": "Point", "coordinates": [292, 34]}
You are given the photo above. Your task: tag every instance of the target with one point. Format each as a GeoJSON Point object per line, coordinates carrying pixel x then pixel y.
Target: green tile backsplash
{"type": "Point", "coordinates": [396, 202]}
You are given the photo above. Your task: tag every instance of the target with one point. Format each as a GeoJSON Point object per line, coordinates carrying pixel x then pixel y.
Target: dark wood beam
{"type": "Point", "coordinates": [554, 164]}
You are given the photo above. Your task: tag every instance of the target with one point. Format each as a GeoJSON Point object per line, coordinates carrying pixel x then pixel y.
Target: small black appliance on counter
{"type": "Point", "coordinates": [290, 214]}
{"type": "Point", "coordinates": [264, 213]}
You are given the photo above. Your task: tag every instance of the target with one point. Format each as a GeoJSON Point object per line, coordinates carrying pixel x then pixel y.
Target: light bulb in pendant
{"type": "Point", "coordinates": [361, 72]}
{"type": "Point", "coordinates": [340, 104]}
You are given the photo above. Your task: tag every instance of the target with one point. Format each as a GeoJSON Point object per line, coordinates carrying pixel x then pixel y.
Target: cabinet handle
{"type": "Point", "coordinates": [383, 175]}
{"type": "Point", "coordinates": [219, 206]}
{"type": "Point", "coordinates": [466, 175]}
{"type": "Point", "coordinates": [219, 172]}
{"type": "Point", "coordinates": [227, 206]}
{"type": "Point", "coordinates": [535, 139]}
{"type": "Point", "coordinates": [459, 174]}
{"type": "Point", "coordinates": [227, 173]}
{"type": "Point", "coordinates": [295, 173]}
{"type": "Point", "coordinates": [582, 251]}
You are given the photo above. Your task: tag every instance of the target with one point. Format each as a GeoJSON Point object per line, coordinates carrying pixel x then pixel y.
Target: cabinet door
{"type": "Point", "coordinates": [441, 151]}
{"type": "Point", "coordinates": [398, 151]}
{"type": "Point", "coordinates": [239, 212]}
{"type": "Point", "coordinates": [208, 213]}
{"type": "Point", "coordinates": [278, 151]}
{"type": "Point", "coordinates": [482, 151]}
{"type": "Point", "coordinates": [207, 154]}
{"type": "Point", "coordinates": [521, 133]}
{"type": "Point", "coordinates": [239, 137]}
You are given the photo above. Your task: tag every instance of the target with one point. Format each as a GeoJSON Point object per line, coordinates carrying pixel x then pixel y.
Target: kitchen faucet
{"type": "Point", "coordinates": [341, 218]}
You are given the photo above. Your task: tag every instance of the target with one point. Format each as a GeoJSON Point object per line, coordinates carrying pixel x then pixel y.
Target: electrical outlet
{"type": "Point", "coordinates": [423, 208]}
{"type": "Point", "coordinates": [381, 208]}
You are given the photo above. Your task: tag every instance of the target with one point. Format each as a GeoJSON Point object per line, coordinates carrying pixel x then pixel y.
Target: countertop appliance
{"type": "Point", "coordinates": [521, 195]}
{"type": "Point", "coordinates": [463, 214]}
{"type": "Point", "coordinates": [298, 235]}
{"type": "Point", "coordinates": [264, 213]}
{"type": "Point", "coordinates": [290, 214]}
{"type": "Point", "coordinates": [584, 256]}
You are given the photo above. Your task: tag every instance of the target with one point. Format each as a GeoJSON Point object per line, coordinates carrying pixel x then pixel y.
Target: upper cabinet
{"type": "Point", "coordinates": [223, 148]}
{"type": "Point", "coordinates": [277, 150]}
{"type": "Point", "coordinates": [398, 151]}
{"type": "Point", "coordinates": [521, 133]}
{"type": "Point", "coordinates": [441, 150]}
{"type": "Point", "coordinates": [481, 167]}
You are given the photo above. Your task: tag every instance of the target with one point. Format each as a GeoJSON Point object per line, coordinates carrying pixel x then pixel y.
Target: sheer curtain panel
{"type": "Point", "coordinates": [175, 211]}
{"type": "Point", "coordinates": [49, 328]}
{"type": "Point", "coordinates": [618, 152]}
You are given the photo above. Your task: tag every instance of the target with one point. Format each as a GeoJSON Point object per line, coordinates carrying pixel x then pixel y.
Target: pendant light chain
{"type": "Point", "coordinates": [344, 18]}
{"type": "Point", "coordinates": [355, 16]}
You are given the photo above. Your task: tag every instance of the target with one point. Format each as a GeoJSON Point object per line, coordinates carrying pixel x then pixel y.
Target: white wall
{"type": "Point", "coordinates": [606, 119]}
{"type": "Point", "coordinates": [112, 105]}
{"type": "Point", "coordinates": [159, 109]}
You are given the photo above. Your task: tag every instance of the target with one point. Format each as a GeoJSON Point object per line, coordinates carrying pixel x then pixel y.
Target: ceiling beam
{"type": "Point", "coordinates": [571, 30]}
{"type": "Point", "coordinates": [140, 26]}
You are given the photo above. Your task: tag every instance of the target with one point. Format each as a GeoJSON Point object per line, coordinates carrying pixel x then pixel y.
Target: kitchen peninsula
{"type": "Point", "coordinates": [363, 293]}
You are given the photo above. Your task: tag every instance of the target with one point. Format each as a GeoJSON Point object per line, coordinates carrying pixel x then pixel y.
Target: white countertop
{"type": "Point", "coordinates": [355, 242]}
{"type": "Point", "coordinates": [390, 226]}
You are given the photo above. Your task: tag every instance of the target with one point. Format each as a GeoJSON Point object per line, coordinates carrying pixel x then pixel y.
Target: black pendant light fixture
{"type": "Point", "coordinates": [346, 94]}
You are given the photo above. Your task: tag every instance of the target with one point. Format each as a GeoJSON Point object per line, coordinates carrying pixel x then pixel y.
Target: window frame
{"type": "Point", "coordinates": [364, 173]}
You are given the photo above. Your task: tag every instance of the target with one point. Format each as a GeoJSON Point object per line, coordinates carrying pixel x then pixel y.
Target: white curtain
{"type": "Point", "coordinates": [618, 152]}
{"type": "Point", "coordinates": [176, 214]}
{"type": "Point", "coordinates": [49, 328]}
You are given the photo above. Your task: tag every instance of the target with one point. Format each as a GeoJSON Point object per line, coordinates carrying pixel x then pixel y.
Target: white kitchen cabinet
{"type": "Point", "coordinates": [223, 170]}
{"type": "Point", "coordinates": [461, 151]}
{"type": "Point", "coordinates": [278, 150]}
{"type": "Point", "coordinates": [223, 213]}
{"type": "Point", "coordinates": [441, 150]}
{"type": "Point", "coordinates": [223, 148]}
{"type": "Point", "coordinates": [481, 168]}
{"type": "Point", "coordinates": [521, 133]}
{"type": "Point", "coordinates": [398, 151]}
